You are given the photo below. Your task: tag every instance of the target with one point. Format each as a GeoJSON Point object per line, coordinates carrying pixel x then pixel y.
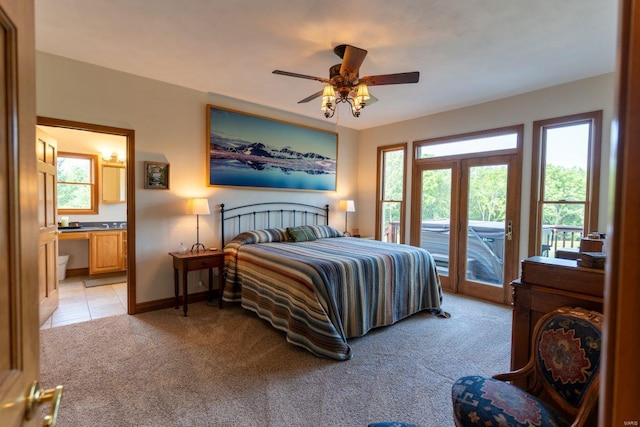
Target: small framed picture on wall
{"type": "Point", "coordinates": [156, 176]}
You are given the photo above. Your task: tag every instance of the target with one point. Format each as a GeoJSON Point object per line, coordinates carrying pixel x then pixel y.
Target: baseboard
{"type": "Point", "coordinates": [147, 306]}
{"type": "Point", "coordinates": [74, 272]}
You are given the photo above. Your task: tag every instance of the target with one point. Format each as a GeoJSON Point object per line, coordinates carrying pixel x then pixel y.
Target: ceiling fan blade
{"type": "Point", "coordinates": [391, 79]}
{"type": "Point", "coordinates": [301, 76]}
{"type": "Point", "coordinates": [353, 58]}
{"type": "Point", "coordinates": [311, 97]}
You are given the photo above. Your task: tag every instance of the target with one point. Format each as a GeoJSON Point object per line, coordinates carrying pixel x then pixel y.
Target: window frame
{"type": "Point", "coordinates": [381, 151]}
{"type": "Point", "coordinates": [594, 157]}
{"type": "Point", "coordinates": [94, 184]}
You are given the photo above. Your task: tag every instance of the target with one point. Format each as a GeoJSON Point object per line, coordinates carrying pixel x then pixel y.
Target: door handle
{"type": "Point", "coordinates": [509, 233]}
{"type": "Point", "coordinates": [36, 397]}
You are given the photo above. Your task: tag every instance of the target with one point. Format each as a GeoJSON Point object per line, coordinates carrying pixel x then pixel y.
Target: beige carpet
{"type": "Point", "coordinates": [229, 368]}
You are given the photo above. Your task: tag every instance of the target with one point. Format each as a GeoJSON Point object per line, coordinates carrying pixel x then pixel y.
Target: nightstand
{"type": "Point", "coordinates": [192, 261]}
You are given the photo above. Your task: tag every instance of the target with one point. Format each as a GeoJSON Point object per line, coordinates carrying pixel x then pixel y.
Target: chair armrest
{"type": "Point", "coordinates": [523, 372]}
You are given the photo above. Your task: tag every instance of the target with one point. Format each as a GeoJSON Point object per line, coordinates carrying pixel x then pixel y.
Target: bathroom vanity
{"type": "Point", "coordinates": [107, 248]}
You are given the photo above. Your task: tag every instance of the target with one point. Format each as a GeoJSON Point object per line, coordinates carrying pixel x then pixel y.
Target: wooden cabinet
{"type": "Point", "coordinates": [124, 249]}
{"type": "Point", "coordinates": [106, 252]}
{"type": "Point", "coordinates": [546, 284]}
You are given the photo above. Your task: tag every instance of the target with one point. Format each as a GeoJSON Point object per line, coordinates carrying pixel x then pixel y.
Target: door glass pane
{"type": "Point", "coordinates": [565, 163]}
{"type": "Point", "coordinates": [486, 223]}
{"type": "Point", "coordinates": [390, 222]}
{"type": "Point", "coordinates": [435, 216]}
{"type": "Point", "coordinates": [562, 227]}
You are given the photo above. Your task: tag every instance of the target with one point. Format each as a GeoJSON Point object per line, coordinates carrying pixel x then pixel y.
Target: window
{"type": "Point", "coordinates": [482, 143]}
{"type": "Point", "coordinates": [77, 183]}
{"type": "Point", "coordinates": [390, 193]}
{"type": "Point", "coordinates": [564, 182]}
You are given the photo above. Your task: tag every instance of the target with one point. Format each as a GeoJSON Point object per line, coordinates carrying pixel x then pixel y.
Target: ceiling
{"type": "Point", "coordinates": [467, 51]}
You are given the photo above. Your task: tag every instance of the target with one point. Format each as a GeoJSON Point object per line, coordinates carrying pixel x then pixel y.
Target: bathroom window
{"type": "Point", "coordinates": [77, 185]}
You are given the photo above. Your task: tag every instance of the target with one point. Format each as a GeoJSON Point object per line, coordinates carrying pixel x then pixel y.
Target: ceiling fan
{"type": "Point", "coordinates": [344, 80]}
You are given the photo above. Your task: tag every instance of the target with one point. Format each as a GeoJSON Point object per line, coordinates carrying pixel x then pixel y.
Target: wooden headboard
{"type": "Point", "coordinates": [258, 216]}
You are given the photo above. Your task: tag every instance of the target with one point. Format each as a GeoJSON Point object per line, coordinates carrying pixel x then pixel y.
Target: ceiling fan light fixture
{"type": "Point", "coordinates": [328, 94]}
{"type": "Point", "coordinates": [344, 79]}
{"type": "Point", "coordinates": [328, 101]}
{"type": "Point", "coordinates": [327, 108]}
{"type": "Point", "coordinates": [363, 92]}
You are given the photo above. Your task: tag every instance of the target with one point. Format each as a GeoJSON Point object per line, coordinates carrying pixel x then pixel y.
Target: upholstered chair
{"type": "Point", "coordinates": [563, 374]}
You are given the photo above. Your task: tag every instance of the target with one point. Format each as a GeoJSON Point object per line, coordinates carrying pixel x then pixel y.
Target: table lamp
{"type": "Point", "coordinates": [198, 207]}
{"type": "Point", "coordinates": [346, 206]}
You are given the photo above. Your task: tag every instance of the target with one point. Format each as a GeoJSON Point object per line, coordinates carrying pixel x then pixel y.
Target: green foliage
{"type": "Point", "coordinates": [74, 196]}
{"type": "Point", "coordinates": [436, 194]}
{"type": "Point", "coordinates": [488, 191]}
{"type": "Point", "coordinates": [74, 188]}
{"type": "Point", "coordinates": [564, 184]}
{"type": "Point", "coordinates": [393, 183]}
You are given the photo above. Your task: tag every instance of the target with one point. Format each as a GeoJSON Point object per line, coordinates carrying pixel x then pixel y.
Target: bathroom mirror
{"type": "Point", "coordinates": [114, 184]}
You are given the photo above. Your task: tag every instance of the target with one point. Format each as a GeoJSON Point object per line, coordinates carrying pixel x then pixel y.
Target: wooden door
{"type": "Point", "coordinates": [19, 340]}
{"type": "Point", "coordinates": [621, 370]}
{"type": "Point", "coordinates": [475, 255]}
{"type": "Point", "coordinates": [46, 151]}
{"type": "Point", "coordinates": [488, 247]}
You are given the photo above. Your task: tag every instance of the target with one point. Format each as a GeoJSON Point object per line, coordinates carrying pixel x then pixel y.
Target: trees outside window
{"type": "Point", "coordinates": [76, 183]}
{"type": "Point", "coordinates": [565, 182]}
{"type": "Point", "coordinates": [391, 193]}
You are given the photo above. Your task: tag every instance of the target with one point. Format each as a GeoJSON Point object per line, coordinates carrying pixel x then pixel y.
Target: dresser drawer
{"type": "Point", "coordinates": [202, 263]}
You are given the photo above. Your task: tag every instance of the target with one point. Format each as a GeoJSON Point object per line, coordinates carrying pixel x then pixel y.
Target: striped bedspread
{"type": "Point", "coordinates": [323, 291]}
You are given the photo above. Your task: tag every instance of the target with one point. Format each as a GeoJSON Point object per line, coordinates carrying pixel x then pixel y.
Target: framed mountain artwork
{"type": "Point", "coordinates": [245, 150]}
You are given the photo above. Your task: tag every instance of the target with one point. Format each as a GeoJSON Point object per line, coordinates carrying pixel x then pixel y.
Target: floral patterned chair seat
{"type": "Point", "coordinates": [563, 373]}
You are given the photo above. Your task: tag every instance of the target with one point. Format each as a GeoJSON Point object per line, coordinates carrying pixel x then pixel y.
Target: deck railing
{"type": "Point", "coordinates": [556, 237]}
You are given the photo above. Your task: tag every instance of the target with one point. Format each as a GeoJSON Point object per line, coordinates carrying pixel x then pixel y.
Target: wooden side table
{"type": "Point", "coordinates": [192, 261]}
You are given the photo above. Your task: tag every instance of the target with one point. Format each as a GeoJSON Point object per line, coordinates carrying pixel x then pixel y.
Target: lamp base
{"type": "Point", "coordinates": [197, 247]}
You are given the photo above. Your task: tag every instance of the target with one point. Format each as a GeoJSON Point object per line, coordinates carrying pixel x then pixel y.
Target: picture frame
{"type": "Point", "coordinates": [156, 176]}
{"type": "Point", "coordinates": [247, 150]}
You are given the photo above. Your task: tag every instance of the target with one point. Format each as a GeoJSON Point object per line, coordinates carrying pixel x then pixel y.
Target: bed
{"type": "Point", "coordinates": [318, 286]}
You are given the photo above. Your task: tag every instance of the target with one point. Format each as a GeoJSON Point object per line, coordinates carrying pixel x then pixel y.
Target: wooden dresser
{"type": "Point", "coordinates": [546, 284]}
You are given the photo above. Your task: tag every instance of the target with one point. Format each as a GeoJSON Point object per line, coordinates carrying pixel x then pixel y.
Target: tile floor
{"type": "Point", "coordinates": [79, 303]}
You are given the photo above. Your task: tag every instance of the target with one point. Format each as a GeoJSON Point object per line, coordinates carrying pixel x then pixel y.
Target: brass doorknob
{"type": "Point", "coordinates": [36, 397]}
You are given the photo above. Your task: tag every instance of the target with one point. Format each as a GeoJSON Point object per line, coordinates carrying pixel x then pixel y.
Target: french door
{"type": "Point", "coordinates": [465, 213]}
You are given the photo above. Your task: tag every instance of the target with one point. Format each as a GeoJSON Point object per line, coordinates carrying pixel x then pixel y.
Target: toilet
{"type": "Point", "coordinates": [62, 266]}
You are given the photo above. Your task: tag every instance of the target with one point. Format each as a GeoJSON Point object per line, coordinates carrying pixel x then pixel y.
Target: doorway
{"type": "Point", "coordinates": [129, 162]}
{"type": "Point", "coordinates": [465, 210]}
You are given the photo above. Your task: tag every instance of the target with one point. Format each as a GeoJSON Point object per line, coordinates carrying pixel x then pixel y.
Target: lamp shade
{"type": "Point", "coordinates": [198, 207]}
{"type": "Point", "coordinates": [346, 206]}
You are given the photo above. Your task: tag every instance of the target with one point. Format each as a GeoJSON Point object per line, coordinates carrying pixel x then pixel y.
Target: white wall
{"type": "Point", "coordinates": [595, 93]}
{"type": "Point", "coordinates": [170, 126]}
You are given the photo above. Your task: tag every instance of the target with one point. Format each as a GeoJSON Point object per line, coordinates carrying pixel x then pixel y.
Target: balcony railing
{"type": "Point", "coordinates": [556, 237]}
